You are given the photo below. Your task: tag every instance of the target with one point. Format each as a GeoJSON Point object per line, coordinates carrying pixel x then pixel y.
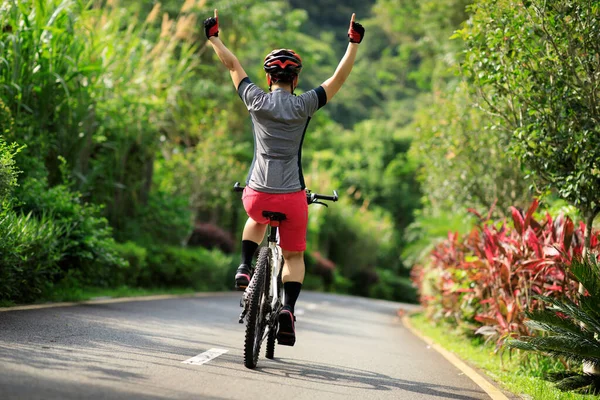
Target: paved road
{"type": "Point", "coordinates": [347, 348]}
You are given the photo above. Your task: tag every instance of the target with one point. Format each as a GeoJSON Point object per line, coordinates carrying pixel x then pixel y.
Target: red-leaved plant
{"type": "Point", "coordinates": [484, 281]}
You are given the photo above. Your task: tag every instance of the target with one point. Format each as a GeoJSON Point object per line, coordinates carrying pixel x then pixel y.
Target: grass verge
{"type": "Point", "coordinates": [70, 294]}
{"type": "Point", "coordinates": [510, 372]}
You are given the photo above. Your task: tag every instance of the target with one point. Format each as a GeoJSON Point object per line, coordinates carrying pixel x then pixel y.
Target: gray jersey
{"type": "Point", "coordinates": [279, 122]}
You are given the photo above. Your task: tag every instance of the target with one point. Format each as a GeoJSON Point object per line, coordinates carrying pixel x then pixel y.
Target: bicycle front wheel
{"type": "Point", "coordinates": [257, 295]}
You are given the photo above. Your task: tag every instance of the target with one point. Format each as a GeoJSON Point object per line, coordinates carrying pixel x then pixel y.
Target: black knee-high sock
{"type": "Point", "coordinates": [248, 249]}
{"type": "Point", "coordinates": [292, 291]}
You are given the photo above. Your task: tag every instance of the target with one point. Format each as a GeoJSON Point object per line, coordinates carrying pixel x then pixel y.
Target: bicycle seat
{"type": "Point", "coordinates": [274, 216]}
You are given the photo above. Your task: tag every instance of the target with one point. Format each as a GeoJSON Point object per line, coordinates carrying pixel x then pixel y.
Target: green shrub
{"type": "Point", "coordinates": [30, 252]}
{"type": "Point", "coordinates": [166, 219]}
{"type": "Point", "coordinates": [393, 287]}
{"type": "Point", "coordinates": [369, 233]}
{"type": "Point", "coordinates": [89, 253]}
{"type": "Point", "coordinates": [341, 284]}
{"type": "Point", "coordinates": [136, 257]}
{"type": "Point", "coordinates": [313, 282]}
{"type": "Point", "coordinates": [197, 268]}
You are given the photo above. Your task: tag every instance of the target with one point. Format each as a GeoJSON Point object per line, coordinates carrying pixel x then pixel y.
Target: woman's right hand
{"type": "Point", "coordinates": [356, 32]}
{"type": "Point", "coordinates": [211, 26]}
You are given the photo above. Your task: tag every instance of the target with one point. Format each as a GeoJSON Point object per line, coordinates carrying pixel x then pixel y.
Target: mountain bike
{"type": "Point", "coordinates": [263, 298]}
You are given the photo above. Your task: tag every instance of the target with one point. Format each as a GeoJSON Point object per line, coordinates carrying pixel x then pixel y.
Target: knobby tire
{"type": "Point", "coordinates": [257, 294]}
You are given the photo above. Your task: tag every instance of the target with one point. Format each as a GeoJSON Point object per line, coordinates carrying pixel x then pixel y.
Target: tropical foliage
{"type": "Point", "coordinates": [519, 118]}
{"type": "Point", "coordinates": [484, 281]}
{"type": "Point", "coordinates": [571, 327]}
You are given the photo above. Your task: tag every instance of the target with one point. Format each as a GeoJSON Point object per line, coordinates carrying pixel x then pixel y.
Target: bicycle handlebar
{"type": "Point", "coordinates": [311, 198]}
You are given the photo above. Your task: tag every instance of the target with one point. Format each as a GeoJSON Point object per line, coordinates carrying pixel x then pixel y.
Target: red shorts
{"type": "Point", "coordinates": [292, 231]}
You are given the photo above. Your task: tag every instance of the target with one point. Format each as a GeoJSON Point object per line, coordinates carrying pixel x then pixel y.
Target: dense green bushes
{"type": "Point", "coordinates": [87, 238]}
{"type": "Point", "coordinates": [136, 257]}
{"type": "Point", "coordinates": [50, 234]}
{"type": "Point", "coordinates": [30, 251]}
{"type": "Point", "coordinates": [91, 116]}
{"type": "Point", "coordinates": [356, 240]}
{"type": "Point", "coordinates": [391, 286]}
{"type": "Point", "coordinates": [511, 114]}
{"type": "Point", "coordinates": [165, 219]}
{"type": "Point", "coordinates": [33, 259]}
{"type": "Point", "coordinates": [172, 266]}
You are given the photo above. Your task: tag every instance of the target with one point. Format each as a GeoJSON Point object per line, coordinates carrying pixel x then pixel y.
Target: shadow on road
{"type": "Point", "coordinates": [355, 378]}
{"type": "Point", "coordinates": [112, 342]}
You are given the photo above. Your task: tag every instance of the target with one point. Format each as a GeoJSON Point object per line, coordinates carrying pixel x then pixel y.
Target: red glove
{"type": "Point", "coordinates": [211, 26]}
{"type": "Point", "coordinates": [356, 31]}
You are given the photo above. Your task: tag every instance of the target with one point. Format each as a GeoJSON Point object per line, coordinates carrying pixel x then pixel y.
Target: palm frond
{"type": "Point", "coordinates": [574, 311]}
{"type": "Point", "coordinates": [590, 305]}
{"type": "Point", "coordinates": [548, 321]}
{"type": "Point", "coordinates": [559, 376]}
{"type": "Point", "coordinates": [587, 273]}
{"type": "Point", "coordinates": [574, 382]}
{"type": "Point", "coordinates": [559, 346]}
{"type": "Point", "coordinates": [579, 336]}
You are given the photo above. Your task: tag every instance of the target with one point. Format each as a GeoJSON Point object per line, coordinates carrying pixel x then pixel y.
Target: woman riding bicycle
{"type": "Point", "coordinates": [275, 181]}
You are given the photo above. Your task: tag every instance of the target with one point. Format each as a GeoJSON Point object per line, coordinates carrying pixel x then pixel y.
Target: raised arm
{"type": "Point", "coordinates": [333, 84]}
{"type": "Point", "coordinates": [229, 60]}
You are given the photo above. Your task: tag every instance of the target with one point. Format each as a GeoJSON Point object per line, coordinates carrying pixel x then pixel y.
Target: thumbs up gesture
{"type": "Point", "coordinates": [356, 32]}
{"type": "Point", "coordinates": [211, 26]}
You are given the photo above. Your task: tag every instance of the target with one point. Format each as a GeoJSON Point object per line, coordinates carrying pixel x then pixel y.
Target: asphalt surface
{"type": "Point", "coordinates": [347, 348]}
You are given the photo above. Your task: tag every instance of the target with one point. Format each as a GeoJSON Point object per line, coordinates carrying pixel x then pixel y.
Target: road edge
{"type": "Point", "coordinates": [115, 300]}
{"type": "Point", "coordinates": [483, 383]}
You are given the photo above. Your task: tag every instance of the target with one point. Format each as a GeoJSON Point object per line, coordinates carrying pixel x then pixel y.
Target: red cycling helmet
{"type": "Point", "coordinates": [283, 61]}
{"type": "Point", "coordinates": [282, 65]}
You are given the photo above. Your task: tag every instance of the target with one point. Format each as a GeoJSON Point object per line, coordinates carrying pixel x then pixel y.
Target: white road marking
{"type": "Point", "coordinates": [205, 357]}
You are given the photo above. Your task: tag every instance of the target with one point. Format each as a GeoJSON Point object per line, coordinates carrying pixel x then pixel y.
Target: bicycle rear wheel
{"type": "Point", "coordinates": [257, 295]}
